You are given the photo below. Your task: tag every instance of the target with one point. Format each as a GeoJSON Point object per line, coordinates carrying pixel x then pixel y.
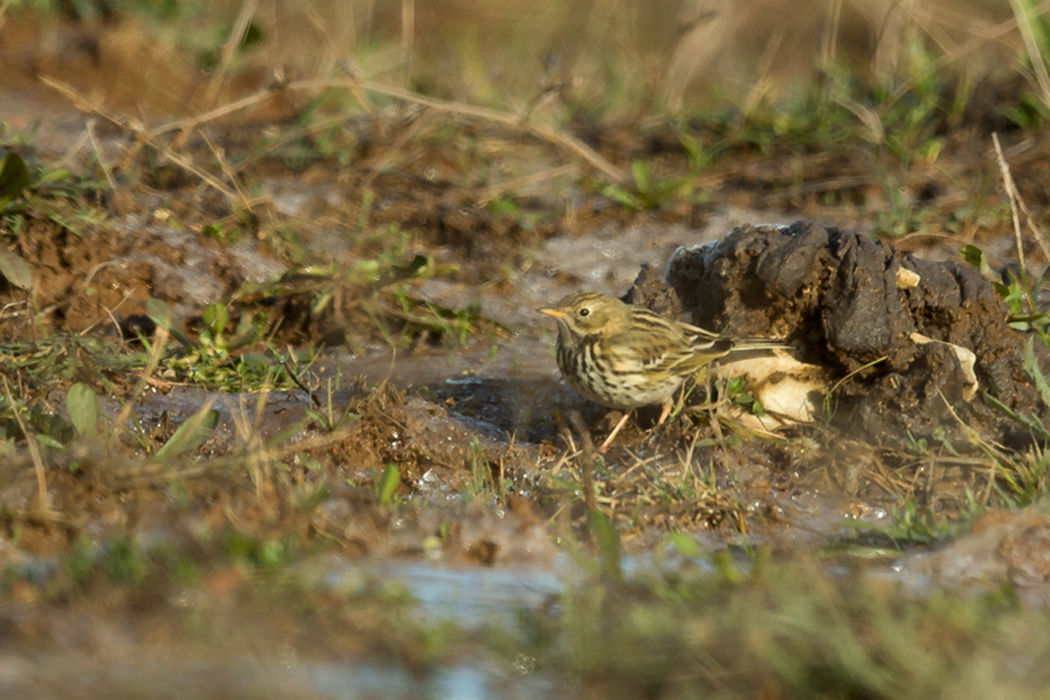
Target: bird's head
{"type": "Point", "coordinates": [589, 313]}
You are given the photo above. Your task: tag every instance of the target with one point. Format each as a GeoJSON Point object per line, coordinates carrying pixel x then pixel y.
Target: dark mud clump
{"type": "Point", "coordinates": [853, 304]}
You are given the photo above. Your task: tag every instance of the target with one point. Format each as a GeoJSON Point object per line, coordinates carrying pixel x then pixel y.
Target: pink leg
{"type": "Point", "coordinates": [664, 413]}
{"type": "Point", "coordinates": [608, 440]}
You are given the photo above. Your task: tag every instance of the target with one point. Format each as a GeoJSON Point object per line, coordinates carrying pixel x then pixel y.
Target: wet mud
{"type": "Point", "coordinates": [491, 475]}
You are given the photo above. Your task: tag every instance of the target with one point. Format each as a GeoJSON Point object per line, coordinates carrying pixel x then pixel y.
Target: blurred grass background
{"type": "Point", "coordinates": [603, 60]}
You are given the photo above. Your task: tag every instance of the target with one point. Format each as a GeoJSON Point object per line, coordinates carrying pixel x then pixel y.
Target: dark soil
{"type": "Point", "coordinates": [837, 295]}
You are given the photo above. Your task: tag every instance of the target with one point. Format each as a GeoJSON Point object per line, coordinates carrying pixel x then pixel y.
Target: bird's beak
{"type": "Point", "coordinates": [553, 312]}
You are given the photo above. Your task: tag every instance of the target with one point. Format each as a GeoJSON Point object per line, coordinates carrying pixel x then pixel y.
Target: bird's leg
{"type": "Point", "coordinates": [666, 411]}
{"type": "Point", "coordinates": [608, 440]}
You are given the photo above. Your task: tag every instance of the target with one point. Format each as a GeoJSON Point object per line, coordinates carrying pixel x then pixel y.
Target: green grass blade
{"type": "Point", "coordinates": [388, 484]}
{"type": "Point", "coordinates": [190, 435]}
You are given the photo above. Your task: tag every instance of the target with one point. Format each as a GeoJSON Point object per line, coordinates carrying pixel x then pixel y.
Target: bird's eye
{"type": "Point", "coordinates": [585, 312]}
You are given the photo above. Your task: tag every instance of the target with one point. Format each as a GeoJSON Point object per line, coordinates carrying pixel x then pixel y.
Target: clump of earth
{"type": "Point", "coordinates": [898, 330]}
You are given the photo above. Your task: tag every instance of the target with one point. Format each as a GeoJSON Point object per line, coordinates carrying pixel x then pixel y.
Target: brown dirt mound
{"type": "Point", "coordinates": [836, 294]}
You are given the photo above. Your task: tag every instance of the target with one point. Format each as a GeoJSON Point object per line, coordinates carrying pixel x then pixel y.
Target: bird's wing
{"type": "Point", "coordinates": [701, 337]}
{"type": "Point", "coordinates": [655, 353]}
{"type": "Point", "coordinates": [698, 332]}
{"type": "Point", "coordinates": [661, 355]}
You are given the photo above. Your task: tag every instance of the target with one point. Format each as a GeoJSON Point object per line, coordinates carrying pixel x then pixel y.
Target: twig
{"type": "Point", "coordinates": [973, 434]}
{"type": "Point", "coordinates": [300, 383]}
{"type": "Point", "coordinates": [98, 154]}
{"type": "Point", "coordinates": [228, 171]}
{"type": "Point", "coordinates": [34, 452]}
{"type": "Point", "coordinates": [348, 67]}
{"type": "Point", "coordinates": [229, 49]}
{"type": "Point", "coordinates": [1037, 233]}
{"type": "Point", "coordinates": [485, 196]}
{"type": "Point", "coordinates": [84, 104]}
{"type": "Point", "coordinates": [188, 165]}
{"type": "Point", "coordinates": [964, 49]}
{"type": "Point", "coordinates": [566, 141]}
{"type": "Point", "coordinates": [1013, 196]}
{"type": "Point", "coordinates": [407, 135]}
{"type": "Point", "coordinates": [190, 123]}
{"type": "Point", "coordinates": [560, 139]}
{"type": "Point", "coordinates": [160, 340]}
{"type": "Point", "coordinates": [1031, 45]}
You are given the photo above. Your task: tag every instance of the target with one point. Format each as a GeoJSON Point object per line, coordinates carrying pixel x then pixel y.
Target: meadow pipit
{"type": "Point", "coordinates": [625, 357]}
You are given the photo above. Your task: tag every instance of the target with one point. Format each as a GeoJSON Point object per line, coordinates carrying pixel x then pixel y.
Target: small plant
{"type": "Point", "coordinates": [212, 359]}
{"type": "Point", "coordinates": [14, 181]}
{"type": "Point", "coordinates": [190, 435]}
{"type": "Point", "coordinates": [56, 194]}
{"type": "Point", "coordinates": [327, 414]}
{"type": "Point", "coordinates": [386, 487]}
{"type": "Point", "coordinates": [744, 399]}
{"type": "Point", "coordinates": [649, 192]}
{"type": "Point", "coordinates": [1015, 293]}
{"type": "Point", "coordinates": [914, 524]}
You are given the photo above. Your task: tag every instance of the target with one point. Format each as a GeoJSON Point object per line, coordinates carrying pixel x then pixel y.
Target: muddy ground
{"type": "Point", "coordinates": [389, 421]}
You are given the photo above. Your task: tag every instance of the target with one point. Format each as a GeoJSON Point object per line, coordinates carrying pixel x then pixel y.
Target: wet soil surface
{"type": "Point", "coordinates": [491, 471]}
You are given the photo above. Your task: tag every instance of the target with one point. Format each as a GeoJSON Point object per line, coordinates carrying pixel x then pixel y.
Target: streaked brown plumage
{"type": "Point", "coordinates": [625, 357]}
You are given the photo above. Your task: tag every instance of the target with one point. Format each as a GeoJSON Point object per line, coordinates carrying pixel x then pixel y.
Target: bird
{"type": "Point", "coordinates": [624, 357]}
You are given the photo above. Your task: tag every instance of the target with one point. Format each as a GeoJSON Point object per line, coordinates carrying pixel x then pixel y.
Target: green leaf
{"type": "Point", "coordinates": [388, 484]}
{"type": "Point", "coordinates": [82, 405]}
{"type": "Point", "coordinates": [623, 197]}
{"type": "Point", "coordinates": [420, 267]}
{"type": "Point", "coordinates": [48, 441]}
{"type": "Point", "coordinates": [255, 361]}
{"type": "Point", "coordinates": [320, 302]}
{"type": "Point", "coordinates": [1031, 366]}
{"type": "Point", "coordinates": [14, 177]}
{"type": "Point", "coordinates": [216, 317]}
{"type": "Point", "coordinates": [190, 435]}
{"type": "Point", "coordinates": [976, 257]}
{"type": "Point", "coordinates": [640, 172]}
{"type": "Point", "coordinates": [15, 270]}
{"type": "Point", "coordinates": [160, 312]}
{"type": "Point", "coordinates": [1032, 423]}
{"type": "Point", "coordinates": [164, 317]}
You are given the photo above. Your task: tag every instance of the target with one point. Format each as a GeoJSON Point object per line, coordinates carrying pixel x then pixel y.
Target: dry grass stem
{"type": "Point", "coordinates": [229, 50]}
{"type": "Point", "coordinates": [1024, 24]}
{"type": "Point", "coordinates": [965, 49]}
{"type": "Point", "coordinates": [160, 341]}
{"type": "Point", "coordinates": [1013, 197]}
{"type": "Point", "coordinates": [246, 203]}
{"type": "Point", "coordinates": [485, 196]}
{"type": "Point", "coordinates": [43, 502]}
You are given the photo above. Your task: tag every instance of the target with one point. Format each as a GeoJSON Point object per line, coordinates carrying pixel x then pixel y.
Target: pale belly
{"type": "Point", "coordinates": [624, 390]}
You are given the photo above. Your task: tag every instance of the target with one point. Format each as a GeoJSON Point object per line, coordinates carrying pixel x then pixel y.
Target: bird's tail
{"type": "Point", "coordinates": [745, 344]}
{"type": "Point", "coordinates": [704, 340]}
